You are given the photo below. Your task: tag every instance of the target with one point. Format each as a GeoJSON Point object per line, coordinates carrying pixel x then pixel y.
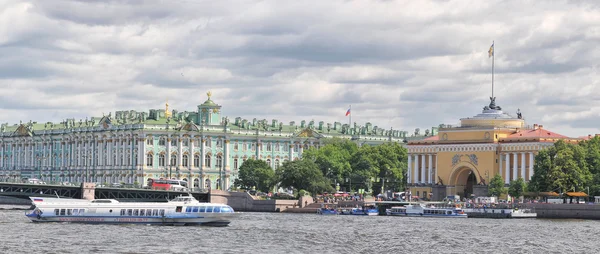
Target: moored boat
{"type": "Point", "coordinates": [396, 211]}
{"type": "Point", "coordinates": [183, 210]}
{"type": "Point", "coordinates": [366, 210]}
{"type": "Point", "coordinates": [327, 211]}
{"type": "Point", "coordinates": [433, 211]}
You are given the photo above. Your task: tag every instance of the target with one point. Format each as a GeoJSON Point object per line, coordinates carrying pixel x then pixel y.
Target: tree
{"type": "Point", "coordinates": [517, 187]}
{"type": "Point", "coordinates": [381, 167]}
{"type": "Point", "coordinates": [333, 159]}
{"type": "Point", "coordinates": [256, 173]}
{"type": "Point", "coordinates": [303, 174]}
{"type": "Point", "coordinates": [561, 168]}
{"type": "Point", "coordinates": [496, 187]}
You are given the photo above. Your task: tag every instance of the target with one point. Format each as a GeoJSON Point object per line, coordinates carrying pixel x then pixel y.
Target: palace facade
{"type": "Point", "coordinates": [198, 146]}
{"type": "Point", "coordinates": [461, 160]}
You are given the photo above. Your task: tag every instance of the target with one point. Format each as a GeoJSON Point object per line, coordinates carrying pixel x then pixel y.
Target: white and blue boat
{"type": "Point", "coordinates": [422, 210]}
{"type": "Point", "coordinates": [183, 210]}
{"type": "Point", "coordinates": [327, 211]}
{"type": "Point", "coordinates": [365, 210]}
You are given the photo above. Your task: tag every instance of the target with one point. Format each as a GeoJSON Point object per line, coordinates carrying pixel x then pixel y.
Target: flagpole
{"type": "Point", "coordinates": [493, 56]}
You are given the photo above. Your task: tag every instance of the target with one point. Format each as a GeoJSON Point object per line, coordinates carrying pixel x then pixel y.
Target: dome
{"type": "Point", "coordinates": [493, 116]}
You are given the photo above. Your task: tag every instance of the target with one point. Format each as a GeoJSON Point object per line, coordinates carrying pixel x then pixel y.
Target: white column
{"type": "Point", "coordinates": [507, 168]}
{"type": "Point", "coordinates": [180, 152]}
{"type": "Point", "coordinates": [408, 169]}
{"type": "Point", "coordinates": [530, 165]}
{"type": "Point", "coordinates": [429, 180]}
{"type": "Point", "coordinates": [500, 158]}
{"type": "Point", "coordinates": [422, 168]}
{"type": "Point", "coordinates": [168, 157]}
{"type": "Point", "coordinates": [202, 149]}
{"type": "Point", "coordinates": [191, 155]}
{"type": "Point", "coordinates": [523, 165]}
{"type": "Point", "coordinates": [514, 177]}
{"type": "Point", "coordinates": [416, 169]}
{"type": "Point", "coordinates": [226, 154]}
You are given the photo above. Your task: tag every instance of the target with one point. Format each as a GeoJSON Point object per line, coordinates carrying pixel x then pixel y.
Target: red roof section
{"type": "Point", "coordinates": [536, 133]}
{"type": "Point", "coordinates": [432, 138]}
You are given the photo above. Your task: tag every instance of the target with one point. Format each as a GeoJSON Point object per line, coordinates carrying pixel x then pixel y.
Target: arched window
{"type": "Point", "coordinates": [196, 161]}
{"type": "Point", "coordinates": [161, 160]}
{"type": "Point", "coordinates": [219, 161]}
{"type": "Point", "coordinates": [235, 163]}
{"type": "Point", "coordinates": [269, 162]}
{"type": "Point", "coordinates": [207, 161]}
{"type": "Point", "coordinates": [276, 163]}
{"type": "Point", "coordinates": [173, 159]}
{"type": "Point", "coordinates": [268, 147]}
{"type": "Point", "coordinates": [149, 160]}
{"type": "Point", "coordinates": [128, 159]}
{"type": "Point", "coordinates": [185, 160]}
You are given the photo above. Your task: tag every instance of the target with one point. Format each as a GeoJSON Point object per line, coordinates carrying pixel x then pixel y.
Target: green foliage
{"type": "Point", "coordinates": [303, 193]}
{"type": "Point", "coordinates": [561, 168]}
{"type": "Point", "coordinates": [256, 173]}
{"type": "Point", "coordinates": [333, 158]}
{"type": "Point", "coordinates": [517, 187]}
{"type": "Point", "coordinates": [303, 174]}
{"type": "Point", "coordinates": [381, 167]}
{"type": "Point", "coordinates": [496, 187]}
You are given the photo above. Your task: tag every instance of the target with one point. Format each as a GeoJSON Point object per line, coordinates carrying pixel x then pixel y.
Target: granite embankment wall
{"type": "Point", "coordinates": [566, 211]}
{"type": "Point", "coordinates": [244, 202]}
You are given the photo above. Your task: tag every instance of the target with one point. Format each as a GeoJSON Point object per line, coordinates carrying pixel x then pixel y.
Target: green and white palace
{"type": "Point", "coordinates": [197, 146]}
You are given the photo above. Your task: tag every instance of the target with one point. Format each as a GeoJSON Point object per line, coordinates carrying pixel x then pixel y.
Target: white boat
{"type": "Point", "coordinates": [433, 211]}
{"type": "Point", "coordinates": [396, 211]}
{"type": "Point", "coordinates": [183, 210]}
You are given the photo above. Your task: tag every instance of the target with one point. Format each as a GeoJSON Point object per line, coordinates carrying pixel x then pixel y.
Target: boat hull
{"type": "Point", "coordinates": [184, 221]}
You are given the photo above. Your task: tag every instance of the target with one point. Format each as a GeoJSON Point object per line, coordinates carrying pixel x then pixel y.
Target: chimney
{"type": "Point", "coordinates": [535, 126]}
{"type": "Point", "coordinates": [540, 126]}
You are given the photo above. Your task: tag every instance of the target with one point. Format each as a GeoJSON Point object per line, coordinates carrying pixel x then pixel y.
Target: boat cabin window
{"type": "Point", "coordinates": [56, 212]}
{"type": "Point", "coordinates": [188, 209]}
{"type": "Point", "coordinates": [226, 209]}
{"type": "Point", "coordinates": [209, 209]}
{"type": "Point", "coordinates": [162, 212]}
{"type": "Point", "coordinates": [129, 212]}
{"type": "Point", "coordinates": [202, 209]}
{"type": "Point", "coordinates": [81, 211]}
{"type": "Point", "coordinates": [142, 212]}
{"type": "Point", "coordinates": [148, 212]}
{"type": "Point", "coordinates": [178, 209]}
{"type": "Point", "coordinates": [135, 212]}
{"type": "Point", "coordinates": [62, 211]}
{"type": "Point", "coordinates": [69, 211]}
{"type": "Point", "coordinates": [75, 211]}
{"type": "Point", "coordinates": [217, 209]}
{"type": "Point", "coordinates": [123, 212]}
{"type": "Point", "coordinates": [195, 209]}
{"type": "Point", "coordinates": [449, 212]}
{"type": "Point", "coordinates": [155, 212]}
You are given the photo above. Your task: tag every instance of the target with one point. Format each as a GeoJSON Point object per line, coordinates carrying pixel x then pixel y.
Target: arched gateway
{"type": "Point", "coordinates": [462, 181]}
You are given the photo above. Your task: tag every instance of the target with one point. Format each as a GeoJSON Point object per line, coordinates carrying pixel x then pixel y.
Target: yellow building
{"type": "Point", "coordinates": [461, 160]}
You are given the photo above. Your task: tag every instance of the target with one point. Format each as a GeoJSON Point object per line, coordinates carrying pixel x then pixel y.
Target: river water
{"type": "Point", "coordinates": [305, 233]}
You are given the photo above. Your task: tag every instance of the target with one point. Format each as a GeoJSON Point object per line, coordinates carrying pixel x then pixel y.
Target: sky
{"type": "Point", "coordinates": [400, 64]}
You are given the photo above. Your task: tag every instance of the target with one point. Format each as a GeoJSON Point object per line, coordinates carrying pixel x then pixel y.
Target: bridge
{"type": "Point", "coordinates": [24, 191]}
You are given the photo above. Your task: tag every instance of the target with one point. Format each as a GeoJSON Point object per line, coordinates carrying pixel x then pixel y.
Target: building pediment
{"type": "Point", "coordinates": [189, 127]}
{"type": "Point", "coordinates": [23, 130]}
{"type": "Point", "coordinates": [105, 122]}
{"type": "Point", "coordinates": [308, 133]}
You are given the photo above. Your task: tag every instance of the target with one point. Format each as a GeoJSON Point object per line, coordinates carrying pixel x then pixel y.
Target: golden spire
{"type": "Point", "coordinates": [167, 113]}
{"type": "Point", "coordinates": [209, 94]}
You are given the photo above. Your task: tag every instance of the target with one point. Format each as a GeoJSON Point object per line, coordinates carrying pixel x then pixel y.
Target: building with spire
{"type": "Point", "coordinates": [461, 160]}
{"type": "Point", "coordinates": [199, 146]}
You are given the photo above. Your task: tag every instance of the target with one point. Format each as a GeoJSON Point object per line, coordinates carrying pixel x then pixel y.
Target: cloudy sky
{"type": "Point", "coordinates": [401, 64]}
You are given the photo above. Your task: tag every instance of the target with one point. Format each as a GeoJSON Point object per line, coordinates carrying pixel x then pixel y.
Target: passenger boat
{"type": "Point", "coordinates": [396, 211]}
{"type": "Point", "coordinates": [366, 210]}
{"type": "Point", "coordinates": [183, 210]}
{"type": "Point", "coordinates": [432, 211]}
{"type": "Point", "coordinates": [327, 211]}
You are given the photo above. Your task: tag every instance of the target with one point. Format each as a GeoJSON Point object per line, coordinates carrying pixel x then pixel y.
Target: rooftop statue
{"type": "Point", "coordinates": [492, 105]}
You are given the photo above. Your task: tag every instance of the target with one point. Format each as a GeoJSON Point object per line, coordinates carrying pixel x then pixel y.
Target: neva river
{"type": "Point", "coordinates": [305, 233]}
